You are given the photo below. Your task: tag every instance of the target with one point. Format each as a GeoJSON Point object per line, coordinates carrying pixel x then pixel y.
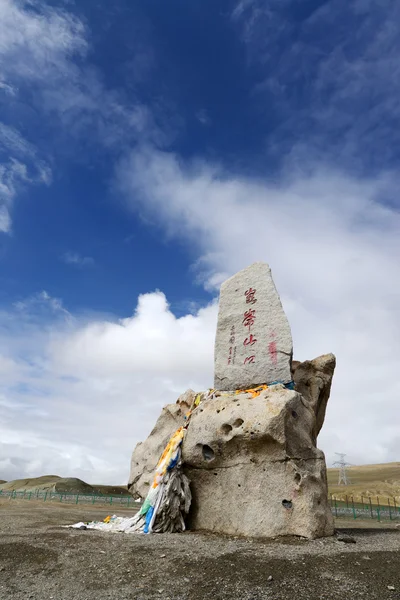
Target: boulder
{"type": "Point", "coordinates": [313, 380]}
{"type": "Point", "coordinates": [253, 462]}
{"type": "Point", "coordinates": [147, 454]}
{"type": "Point", "coordinates": [254, 467]}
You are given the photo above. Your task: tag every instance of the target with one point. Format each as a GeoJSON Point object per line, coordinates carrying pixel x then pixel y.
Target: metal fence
{"type": "Point", "coordinates": [68, 498]}
{"type": "Point", "coordinates": [365, 508]}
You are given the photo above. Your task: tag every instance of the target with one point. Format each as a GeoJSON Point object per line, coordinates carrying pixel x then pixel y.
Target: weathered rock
{"type": "Point", "coordinates": [147, 454]}
{"type": "Point", "coordinates": [254, 468]}
{"type": "Point", "coordinates": [185, 400]}
{"type": "Point", "coordinates": [313, 380]}
{"type": "Point", "coordinates": [253, 343]}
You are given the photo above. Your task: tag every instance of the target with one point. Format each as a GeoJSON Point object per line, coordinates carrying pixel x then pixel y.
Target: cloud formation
{"type": "Point", "coordinates": [43, 57]}
{"type": "Point", "coordinates": [329, 76]}
{"type": "Point", "coordinates": [19, 166]}
{"type": "Point", "coordinates": [37, 43]}
{"type": "Point", "coordinates": [77, 395]}
{"type": "Point", "coordinates": [333, 250]}
{"type": "Point", "coordinates": [74, 258]}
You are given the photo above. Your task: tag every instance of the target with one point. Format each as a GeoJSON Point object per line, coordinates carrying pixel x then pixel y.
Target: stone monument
{"type": "Point", "coordinates": [251, 455]}
{"type": "Point", "coordinates": [253, 344]}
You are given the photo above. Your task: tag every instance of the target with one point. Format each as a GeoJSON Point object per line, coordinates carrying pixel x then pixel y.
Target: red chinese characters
{"type": "Point", "coordinates": [272, 348]}
{"type": "Point", "coordinates": [250, 296]}
{"type": "Point", "coordinates": [249, 317]}
{"type": "Point", "coordinates": [249, 359]}
{"type": "Point", "coordinates": [250, 341]}
{"type": "Point", "coordinates": [273, 352]}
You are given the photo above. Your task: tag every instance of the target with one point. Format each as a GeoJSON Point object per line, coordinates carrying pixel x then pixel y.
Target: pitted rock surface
{"type": "Point", "coordinates": [254, 468]}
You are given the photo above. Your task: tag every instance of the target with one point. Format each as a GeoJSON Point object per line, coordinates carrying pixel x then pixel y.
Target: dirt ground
{"type": "Point", "coordinates": [40, 560]}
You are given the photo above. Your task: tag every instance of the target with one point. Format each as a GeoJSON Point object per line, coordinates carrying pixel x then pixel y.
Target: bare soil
{"type": "Point", "coordinates": [40, 560]}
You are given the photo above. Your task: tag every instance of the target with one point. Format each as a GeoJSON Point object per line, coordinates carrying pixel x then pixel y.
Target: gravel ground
{"type": "Point", "coordinates": [39, 560]}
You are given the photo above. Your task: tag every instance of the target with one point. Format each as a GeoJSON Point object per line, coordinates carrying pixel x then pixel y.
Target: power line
{"type": "Point", "coordinates": [342, 464]}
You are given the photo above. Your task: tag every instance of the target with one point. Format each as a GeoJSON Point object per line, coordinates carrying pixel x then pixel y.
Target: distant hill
{"type": "Point", "coordinates": [43, 483]}
{"type": "Point", "coordinates": [2, 481]}
{"type": "Point", "coordinates": [68, 485]}
{"type": "Point", "coordinates": [368, 480]}
{"type": "Point", "coordinates": [112, 490]}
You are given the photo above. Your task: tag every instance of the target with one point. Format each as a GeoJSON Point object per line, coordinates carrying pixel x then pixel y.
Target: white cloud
{"type": "Point", "coordinates": [7, 89]}
{"type": "Point", "coordinates": [73, 258]}
{"type": "Point", "coordinates": [241, 7]}
{"type": "Point", "coordinates": [76, 396]}
{"type": "Point", "coordinates": [153, 343]}
{"type": "Point", "coordinates": [43, 50]}
{"type": "Point", "coordinates": [12, 141]}
{"type": "Point", "coordinates": [37, 40]}
{"type": "Point", "coordinates": [41, 303]}
{"type": "Point", "coordinates": [19, 167]}
{"type": "Point", "coordinates": [203, 117]}
{"type": "Point", "coordinates": [333, 95]}
{"type": "Point", "coordinates": [333, 249]}
{"type": "Point", "coordinates": [79, 395]}
{"type": "Point", "coordinates": [37, 43]}
{"type": "Point", "coordinates": [5, 220]}
{"type": "Point", "coordinates": [13, 174]}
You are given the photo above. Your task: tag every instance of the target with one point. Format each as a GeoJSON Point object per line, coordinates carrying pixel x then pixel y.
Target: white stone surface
{"type": "Point", "coordinates": [254, 468]}
{"type": "Point", "coordinates": [147, 454]}
{"type": "Point", "coordinates": [253, 344]}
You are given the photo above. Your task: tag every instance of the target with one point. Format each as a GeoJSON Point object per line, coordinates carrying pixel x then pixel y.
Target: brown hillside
{"type": "Point", "coordinates": [43, 483]}
{"type": "Point", "coordinates": [61, 485]}
{"type": "Point", "coordinates": [382, 481]}
{"type": "Point", "coordinates": [52, 483]}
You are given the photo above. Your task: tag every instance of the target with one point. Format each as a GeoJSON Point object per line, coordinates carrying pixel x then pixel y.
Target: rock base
{"type": "Point", "coordinates": [265, 503]}
{"type": "Point", "coordinates": [254, 469]}
{"type": "Point", "coordinates": [253, 462]}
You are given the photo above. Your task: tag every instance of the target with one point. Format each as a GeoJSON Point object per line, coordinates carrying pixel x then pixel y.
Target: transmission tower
{"type": "Point", "coordinates": [342, 464]}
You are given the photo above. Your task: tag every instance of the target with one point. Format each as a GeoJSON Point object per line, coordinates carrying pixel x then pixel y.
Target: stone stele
{"type": "Point", "coordinates": [253, 344]}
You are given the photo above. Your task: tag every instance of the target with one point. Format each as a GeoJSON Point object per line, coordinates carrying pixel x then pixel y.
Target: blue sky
{"type": "Point", "coordinates": [148, 150]}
